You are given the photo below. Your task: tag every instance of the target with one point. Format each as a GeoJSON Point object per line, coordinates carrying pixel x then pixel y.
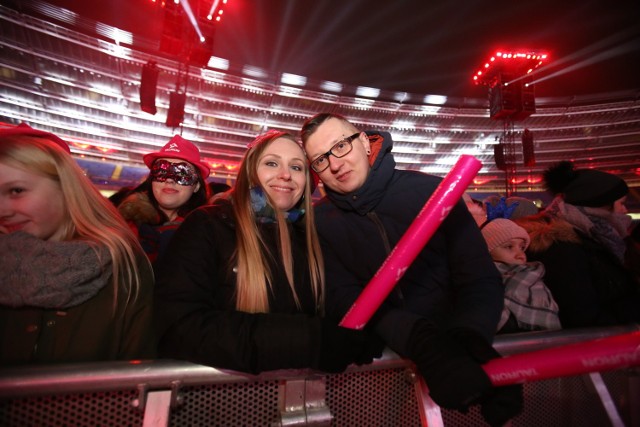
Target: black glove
{"type": "Point", "coordinates": [454, 378]}
{"type": "Point", "coordinates": [475, 345]}
{"type": "Point", "coordinates": [502, 403]}
{"type": "Point", "coordinates": [340, 347]}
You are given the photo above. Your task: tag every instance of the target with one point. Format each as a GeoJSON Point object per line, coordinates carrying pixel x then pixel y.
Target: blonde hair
{"type": "Point", "coordinates": [89, 215]}
{"type": "Point", "coordinates": [252, 254]}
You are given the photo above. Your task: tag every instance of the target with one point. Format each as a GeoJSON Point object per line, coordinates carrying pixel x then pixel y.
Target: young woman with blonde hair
{"type": "Point", "coordinates": [242, 285]}
{"type": "Point", "coordinates": [76, 283]}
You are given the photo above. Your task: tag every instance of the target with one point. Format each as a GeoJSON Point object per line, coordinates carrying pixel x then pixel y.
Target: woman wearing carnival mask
{"type": "Point", "coordinates": [242, 282]}
{"type": "Point", "coordinates": [174, 187]}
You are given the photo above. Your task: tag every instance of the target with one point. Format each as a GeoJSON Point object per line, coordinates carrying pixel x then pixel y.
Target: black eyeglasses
{"type": "Point", "coordinates": [339, 149]}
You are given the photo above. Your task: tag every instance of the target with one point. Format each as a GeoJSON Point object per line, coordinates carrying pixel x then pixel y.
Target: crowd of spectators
{"type": "Point", "coordinates": [256, 276]}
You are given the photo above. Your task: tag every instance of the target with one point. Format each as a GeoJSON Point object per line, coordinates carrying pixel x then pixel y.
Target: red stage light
{"type": "Point", "coordinates": [506, 74]}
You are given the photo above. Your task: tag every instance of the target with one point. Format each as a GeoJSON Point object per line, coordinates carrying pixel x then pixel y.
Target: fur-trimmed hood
{"type": "Point", "coordinates": [546, 230]}
{"type": "Point", "coordinates": [137, 207]}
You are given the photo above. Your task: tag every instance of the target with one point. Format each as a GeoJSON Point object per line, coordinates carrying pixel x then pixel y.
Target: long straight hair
{"type": "Point", "coordinates": [254, 278]}
{"type": "Point", "coordinates": [89, 215]}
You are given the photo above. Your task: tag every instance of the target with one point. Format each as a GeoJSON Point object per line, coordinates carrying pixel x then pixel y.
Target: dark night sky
{"type": "Point", "coordinates": [417, 46]}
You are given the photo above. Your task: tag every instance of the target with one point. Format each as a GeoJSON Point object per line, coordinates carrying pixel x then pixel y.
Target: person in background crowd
{"type": "Point", "coordinates": [579, 238]}
{"type": "Point", "coordinates": [476, 208]}
{"type": "Point", "coordinates": [632, 253]}
{"type": "Point", "coordinates": [512, 207]}
{"type": "Point", "coordinates": [242, 286]}
{"type": "Point", "coordinates": [444, 311]}
{"type": "Point", "coordinates": [217, 189]}
{"type": "Point", "coordinates": [76, 285]}
{"type": "Point", "coordinates": [174, 187]}
{"type": "Point", "coordinates": [528, 304]}
{"type": "Point", "coordinates": [117, 197]}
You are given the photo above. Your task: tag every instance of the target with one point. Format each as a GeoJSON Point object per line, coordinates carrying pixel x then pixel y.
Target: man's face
{"type": "Point", "coordinates": [345, 174]}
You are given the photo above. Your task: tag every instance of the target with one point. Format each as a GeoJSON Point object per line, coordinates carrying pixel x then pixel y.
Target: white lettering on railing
{"type": "Point", "coordinates": [520, 373]}
{"type": "Point", "coordinates": [616, 360]}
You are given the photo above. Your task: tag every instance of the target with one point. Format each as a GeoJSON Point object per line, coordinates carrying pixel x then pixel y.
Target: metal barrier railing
{"type": "Point", "coordinates": [386, 392]}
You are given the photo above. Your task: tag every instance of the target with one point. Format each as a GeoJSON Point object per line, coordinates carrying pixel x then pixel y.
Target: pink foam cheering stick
{"type": "Point", "coordinates": [603, 354]}
{"type": "Point", "coordinates": [414, 239]}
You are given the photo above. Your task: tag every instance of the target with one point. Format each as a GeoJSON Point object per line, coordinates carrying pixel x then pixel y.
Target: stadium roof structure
{"type": "Point", "coordinates": [67, 73]}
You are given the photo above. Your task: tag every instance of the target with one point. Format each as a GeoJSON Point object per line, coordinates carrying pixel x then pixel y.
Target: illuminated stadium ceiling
{"type": "Point", "coordinates": [415, 46]}
{"type": "Point", "coordinates": [69, 74]}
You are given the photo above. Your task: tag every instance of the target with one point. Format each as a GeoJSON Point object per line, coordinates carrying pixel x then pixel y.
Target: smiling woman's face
{"type": "Point", "coordinates": [281, 172]}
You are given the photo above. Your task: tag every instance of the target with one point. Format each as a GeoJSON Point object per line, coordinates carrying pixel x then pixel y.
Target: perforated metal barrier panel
{"type": "Point", "coordinates": [375, 398]}
{"type": "Point", "coordinates": [385, 393]}
{"type": "Point", "coordinates": [77, 410]}
{"type": "Point", "coordinates": [370, 398]}
{"type": "Point", "coordinates": [249, 404]}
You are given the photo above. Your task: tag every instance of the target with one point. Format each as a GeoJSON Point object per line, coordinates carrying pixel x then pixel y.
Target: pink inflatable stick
{"type": "Point", "coordinates": [414, 239]}
{"type": "Point", "coordinates": [616, 352]}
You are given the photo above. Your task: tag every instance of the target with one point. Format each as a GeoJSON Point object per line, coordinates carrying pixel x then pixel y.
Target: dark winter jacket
{"type": "Point", "coordinates": [91, 331]}
{"type": "Point", "coordinates": [590, 285]}
{"type": "Point", "coordinates": [146, 223]}
{"type": "Point", "coordinates": [195, 297]}
{"type": "Point", "coordinates": [453, 281]}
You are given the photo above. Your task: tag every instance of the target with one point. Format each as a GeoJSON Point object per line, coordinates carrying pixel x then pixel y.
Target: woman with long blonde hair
{"type": "Point", "coordinates": [76, 283]}
{"type": "Point", "coordinates": [242, 285]}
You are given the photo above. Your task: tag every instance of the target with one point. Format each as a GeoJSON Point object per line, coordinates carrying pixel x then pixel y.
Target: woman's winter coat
{"type": "Point", "coordinates": [589, 282]}
{"type": "Point", "coordinates": [195, 299]}
{"type": "Point", "coordinates": [81, 323]}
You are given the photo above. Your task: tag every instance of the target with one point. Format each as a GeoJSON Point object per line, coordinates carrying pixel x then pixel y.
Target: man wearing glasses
{"type": "Point", "coordinates": [444, 311]}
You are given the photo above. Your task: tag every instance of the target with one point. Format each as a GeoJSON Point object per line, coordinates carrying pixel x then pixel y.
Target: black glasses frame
{"type": "Point", "coordinates": [326, 155]}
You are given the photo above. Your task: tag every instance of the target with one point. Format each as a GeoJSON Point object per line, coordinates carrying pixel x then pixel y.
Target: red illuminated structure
{"type": "Point", "coordinates": [511, 98]}
{"type": "Point", "coordinates": [508, 76]}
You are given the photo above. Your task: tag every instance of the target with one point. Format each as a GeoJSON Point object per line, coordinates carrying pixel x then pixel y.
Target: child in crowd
{"type": "Point", "coordinates": [528, 304]}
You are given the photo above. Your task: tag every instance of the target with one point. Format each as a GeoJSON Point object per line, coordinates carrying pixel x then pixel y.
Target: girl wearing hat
{"type": "Point", "coordinates": [242, 284]}
{"type": "Point", "coordinates": [174, 187]}
{"type": "Point", "coordinates": [528, 304]}
{"type": "Point", "coordinates": [579, 238]}
{"type": "Point", "coordinates": [76, 285]}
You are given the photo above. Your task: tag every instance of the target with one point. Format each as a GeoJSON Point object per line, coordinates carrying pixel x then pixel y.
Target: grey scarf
{"type": "Point", "coordinates": [56, 275]}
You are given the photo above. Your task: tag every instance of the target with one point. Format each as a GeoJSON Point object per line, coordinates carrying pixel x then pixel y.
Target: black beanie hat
{"type": "Point", "coordinates": [584, 187]}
